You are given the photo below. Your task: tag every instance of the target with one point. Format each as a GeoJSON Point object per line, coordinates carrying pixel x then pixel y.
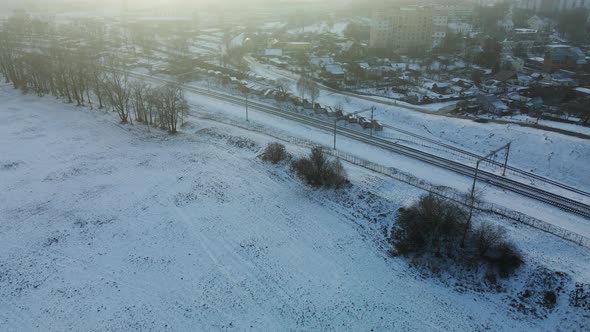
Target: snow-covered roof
{"type": "Point", "coordinates": [334, 69]}
{"type": "Point", "coordinates": [583, 90]}
{"type": "Point", "coordinates": [321, 61]}
{"type": "Point", "coordinates": [273, 52]}
{"type": "Point", "coordinates": [516, 97]}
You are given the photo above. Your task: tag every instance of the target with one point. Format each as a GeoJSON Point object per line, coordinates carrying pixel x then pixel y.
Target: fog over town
{"type": "Point", "coordinates": [213, 165]}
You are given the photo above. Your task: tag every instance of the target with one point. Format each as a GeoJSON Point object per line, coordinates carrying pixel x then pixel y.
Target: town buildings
{"type": "Point", "coordinates": [552, 6]}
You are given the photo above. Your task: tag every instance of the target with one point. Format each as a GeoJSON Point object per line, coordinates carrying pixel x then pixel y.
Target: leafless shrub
{"type": "Point", "coordinates": [318, 170]}
{"type": "Point", "coordinates": [275, 152]}
{"type": "Point", "coordinates": [434, 228]}
{"type": "Point", "coordinates": [431, 225]}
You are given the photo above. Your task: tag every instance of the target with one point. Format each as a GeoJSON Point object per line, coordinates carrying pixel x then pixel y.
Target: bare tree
{"type": "Point", "coordinates": [118, 94]}
{"type": "Point", "coordinates": [174, 106]}
{"type": "Point", "coordinates": [283, 85]}
{"type": "Point", "coordinates": [314, 90]}
{"type": "Point", "coordinates": [302, 86]}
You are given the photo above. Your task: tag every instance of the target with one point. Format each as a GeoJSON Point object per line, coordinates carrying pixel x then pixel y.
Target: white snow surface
{"type": "Point", "coordinates": [114, 227]}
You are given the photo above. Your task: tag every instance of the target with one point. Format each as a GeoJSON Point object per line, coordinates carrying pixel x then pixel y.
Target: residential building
{"type": "Point", "coordinates": [563, 5]}
{"type": "Point", "coordinates": [460, 28]}
{"type": "Point", "coordinates": [333, 73]}
{"type": "Point", "coordinates": [459, 13]}
{"type": "Point", "coordinates": [297, 46]}
{"type": "Point", "coordinates": [539, 24]}
{"type": "Point", "coordinates": [412, 28]}
{"type": "Point", "coordinates": [273, 52]}
{"type": "Point", "coordinates": [552, 6]}
{"type": "Point", "coordinates": [506, 25]}
{"type": "Point", "coordinates": [490, 103]}
{"type": "Point", "coordinates": [321, 61]}
{"type": "Point", "coordinates": [563, 57]}
{"type": "Point", "coordinates": [513, 62]}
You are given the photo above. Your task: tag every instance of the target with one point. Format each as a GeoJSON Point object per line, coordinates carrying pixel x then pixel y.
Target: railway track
{"type": "Point", "coordinates": [475, 156]}
{"type": "Point", "coordinates": [541, 195]}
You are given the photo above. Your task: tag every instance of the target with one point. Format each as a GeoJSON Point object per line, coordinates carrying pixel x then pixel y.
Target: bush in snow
{"type": "Point", "coordinates": [436, 227]}
{"type": "Point", "coordinates": [431, 225]}
{"type": "Point", "coordinates": [493, 247]}
{"type": "Point", "coordinates": [505, 257]}
{"type": "Point", "coordinates": [487, 237]}
{"type": "Point", "coordinates": [318, 170]}
{"type": "Point", "coordinates": [275, 152]}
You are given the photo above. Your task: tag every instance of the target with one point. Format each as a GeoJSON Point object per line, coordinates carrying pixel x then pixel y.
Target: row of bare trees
{"type": "Point", "coordinates": [83, 76]}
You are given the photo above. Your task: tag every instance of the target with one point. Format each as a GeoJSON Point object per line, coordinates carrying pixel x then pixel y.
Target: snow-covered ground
{"type": "Point", "coordinates": [553, 124]}
{"type": "Point", "coordinates": [111, 227]}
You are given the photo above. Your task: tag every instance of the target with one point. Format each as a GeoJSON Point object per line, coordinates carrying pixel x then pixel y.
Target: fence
{"type": "Point", "coordinates": [446, 192]}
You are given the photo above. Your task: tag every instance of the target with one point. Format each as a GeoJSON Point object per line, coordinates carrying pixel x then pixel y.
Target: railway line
{"type": "Point", "coordinates": [475, 156]}
{"type": "Point", "coordinates": [564, 203]}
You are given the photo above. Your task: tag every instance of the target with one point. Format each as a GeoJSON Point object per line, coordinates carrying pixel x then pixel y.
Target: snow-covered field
{"type": "Point", "coordinates": [111, 227]}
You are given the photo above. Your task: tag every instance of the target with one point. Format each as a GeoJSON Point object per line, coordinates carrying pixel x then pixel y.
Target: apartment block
{"type": "Point", "coordinates": [404, 29]}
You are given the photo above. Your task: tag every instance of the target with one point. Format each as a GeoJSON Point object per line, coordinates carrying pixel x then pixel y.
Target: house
{"type": "Point", "coordinates": [437, 87]}
{"type": "Point", "coordinates": [513, 62]}
{"type": "Point", "coordinates": [582, 92]}
{"type": "Point", "coordinates": [524, 80]}
{"type": "Point", "coordinates": [535, 103]}
{"type": "Point", "coordinates": [321, 61]}
{"type": "Point", "coordinates": [563, 57]}
{"type": "Point", "coordinates": [277, 62]}
{"type": "Point", "coordinates": [538, 23]}
{"type": "Point", "coordinates": [333, 72]}
{"type": "Point", "coordinates": [273, 52]}
{"type": "Point", "coordinates": [297, 46]}
{"type": "Point", "coordinates": [504, 76]}
{"type": "Point", "coordinates": [506, 25]}
{"type": "Point", "coordinates": [319, 109]}
{"type": "Point", "coordinates": [491, 86]}
{"type": "Point", "coordinates": [491, 104]}
{"type": "Point", "coordinates": [462, 83]}
{"type": "Point", "coordinates": [525, 34]}
{"type": "Point", "coordinates": [353, 50]}
{"type": "Point", "coordinates": [514, 98]}
{"type": "Point", "coordinates": [560, 79]}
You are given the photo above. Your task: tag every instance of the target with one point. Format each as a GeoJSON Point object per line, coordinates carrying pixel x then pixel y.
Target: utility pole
{"type": "Point", "coordinates": [372, 110]}
{"type": "Point", "coordinates": [353, 113]}
{"type": "Point", "coordinates": [335, 120]}
{"type": "Point", "coordinates": [506, 160]}
{"type": "Point", "coordinates": [472, 194]}
{"type": "Point", "coordinates": [245, 91]}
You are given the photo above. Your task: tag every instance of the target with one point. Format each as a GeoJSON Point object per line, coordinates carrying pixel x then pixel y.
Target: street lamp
{"type": "Point", "coordinates": [245, 91]}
